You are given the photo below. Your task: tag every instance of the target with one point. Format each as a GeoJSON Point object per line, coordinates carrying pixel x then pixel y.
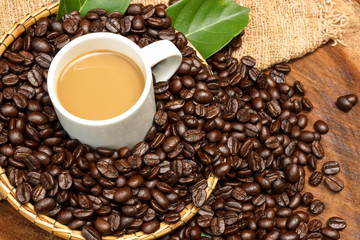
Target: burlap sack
{"type": "Point", "coordinates": [279, 30]}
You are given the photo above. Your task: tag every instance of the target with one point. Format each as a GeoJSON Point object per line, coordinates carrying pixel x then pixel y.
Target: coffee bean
{"type": "Point", "coordinates": [330, 233]}
{"type": "Point", "coordinates": [135, 181]}
{"type": "Point", "coordinates": [43, 60]}
{"type": "Point", "coordinates": [248, 61]}
{"type": "Point", "coordinates": [150, 226]}
{"type": "Point", "coordinates": [317, 149]}
{"type": "Point", "coordinates": [47, 180]}
{"type": "Point", "coordinates": [331, 167]}
{"type": "Point", "coordinates": [64, 217]}
{"type": "Point", "coordinates": [273, 108]}
{"type": "Point", "coordinates": [292, 173]}
{"type": "Point", "coordinates": [316, 207]}
{"type": "Point", "coordinates": [172, 217]}
{"type": "Point", "coordinates": [23, 193]}
{"type": "Point", "coordinates": [83, 214]}
{"type": "Point", "coordinates": [8, 110]}
{"type": "Point", "coordinates": [90, 233]}
{"type": "Point", "coordinates": [102, 225]}
{"type": "Point", "coordinates": [160, 198]}
{"type": "Point", "coordinates": [40, 45]}
{"type": "Point", "coordinates": [334, 183]}
{"type": "Point", "coordinates": [343, 104]}
{"type": "Point", "coordinates": [65, 181]}
{"type": "Point", "coordinates": [307, 198]}
{"type": "Point", "coordinates": [37, 118]}
{"type": "Point", "coordinates": [193, 135]}
{"type": "Point", "coordinates": [315, 225]}
{"type": "Point", "coordinates": [315, 178]}
{"type": "Point", "coordinates": [123, 194]}
{"type": "Point", "coordinates": [44, 205]}
{"type": "Point", "coordinates": [199, 197]}
{"type": "Point", "coordinates": [107, 170]}
{"type": "Point", "coordinates": [336, 223]}
{"type": "Point", "coordinates": [321, 127]}
{"type": "Point", "coordinates": [217, 226]}
{"type": "Point", "coordinates": [202, 96]}
{"type": "Point", "coordinates": [14, 58]}
{"type": "Point", "coordinates": [222, 169]}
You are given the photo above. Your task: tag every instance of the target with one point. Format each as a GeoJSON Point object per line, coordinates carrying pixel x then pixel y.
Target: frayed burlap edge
{"type": "Point", "coordinates": [333, 22]}
{"type": "Point", "coordinates": [282, 30]}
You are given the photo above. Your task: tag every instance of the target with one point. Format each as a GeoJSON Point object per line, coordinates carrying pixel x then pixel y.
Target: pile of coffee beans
{"type": "Point", "coordinates": [247, 127]}
{"type": "Point", "coordinates": [259, 197]}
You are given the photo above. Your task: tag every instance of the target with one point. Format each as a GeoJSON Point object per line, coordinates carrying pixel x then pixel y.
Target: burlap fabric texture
{"type": "Point", "coordinates": [278, 31]}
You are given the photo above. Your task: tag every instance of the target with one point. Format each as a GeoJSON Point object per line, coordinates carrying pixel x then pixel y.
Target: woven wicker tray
{"type": "Point", "coordinates": [8, 192]}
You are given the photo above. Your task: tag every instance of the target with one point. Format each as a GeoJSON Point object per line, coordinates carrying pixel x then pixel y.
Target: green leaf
{"type": "Point", "coordinates": [205, 235]}
{"type": "Point", "coordinates": [83, 6]}
{"type": "Point", "coordinates": [208, 24]}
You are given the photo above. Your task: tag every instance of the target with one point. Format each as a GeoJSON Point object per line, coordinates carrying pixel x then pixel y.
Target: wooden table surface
{"type": "Point", "coordinates": [326, 74]}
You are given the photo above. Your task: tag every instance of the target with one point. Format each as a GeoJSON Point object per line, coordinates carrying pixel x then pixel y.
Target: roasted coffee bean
{"type": "Point", "coordinates": [107, 170]}
{"type": "Point", "coordinates": [331, 167]}
{"type": "Point", "coordinates": [47, 180]}
{"type": "Point", "coordinates": [204, 221]}
{"type": "Point", "coordinates": [65, 181]}
{"type": "Point", "coordinates": [307, 198]}
{"type": "Point", "coordinates": [65, 216]}
{"type": "Point", "coordinates": [199, 197]}
{"type": "Point", "coordinates": [40, 45]}
{"type": "Point", "coordinates": [8, 110]}
{"type": "Point", "coordinates": [315, 178]}
{"type": "Point", "coordinates": [23, 193]}
{"type": "Point", "coordinates": [293, 222]}
{"type": "Point", "coordinates": [334, 183]}
{"type": "Point", "coordinates": [336, 223]}
{"type": "Point", "coordinates": [273, 108]}
{"type": "Point", "coordinates": [248, 61]}
{"type": "Point", "coordinates": [217, 226]}
{"type": "Point", "coordinates": [10, 79]}
{"type": "Point", "coordinates": [321, 127]}
{"type": "Point", "coordinates": [150, 226]}
{"type": "Point", "coordinates": [44, 205]}
{"type": "Point", "coordinates": [102, 225]}
{"type": "Point", "coordinates": [160, 198]}
{"type": "Point", "coordinates": [343, 104]}
{"type": "Point", "coordinates": [172, 217]}
{"type": "Point", "coordinates": [43, 60]}
{"type": "Point", "coordinates": [123, 194]}
{"type": "Point", "coordinates": [193, 135]}
{"type": "Point", "coordinates": [222, 169]}
{"type": "Point", "coordinates": [90, 233]}
{"type": "Point", "coordinates": [83, 214]}
{"type": "Point", "coordinates": [135, 181]}
{"type": "Point", "coordinates": [315, 225]}
{"type": "Point", "coordinates": [292, 173]}
{"type": "Point", "coordinates": [316, 207]}
{"type": "Point", "coordinates": [330, 233]}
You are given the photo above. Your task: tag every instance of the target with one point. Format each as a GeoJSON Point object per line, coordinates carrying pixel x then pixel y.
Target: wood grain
{"type": "Point", "coordinates": [326, 74]}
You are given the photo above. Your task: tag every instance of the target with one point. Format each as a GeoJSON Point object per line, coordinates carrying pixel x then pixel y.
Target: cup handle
{"type": "Point", "coordinates": [163, 57]}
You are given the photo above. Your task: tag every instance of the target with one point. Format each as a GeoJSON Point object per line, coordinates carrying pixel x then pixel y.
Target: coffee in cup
{"type": "Point", "coordinates": [100, 106]}
{"type": "Point", "coordinates": [100, 85]}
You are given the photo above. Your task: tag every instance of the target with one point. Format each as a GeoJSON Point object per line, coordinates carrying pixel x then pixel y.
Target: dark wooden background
{"type": "Point", "coordinates": [326, 74]}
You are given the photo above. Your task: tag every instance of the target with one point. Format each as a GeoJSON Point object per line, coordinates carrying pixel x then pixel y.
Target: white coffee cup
{"type": "Point", "coordinates": [130, 127]}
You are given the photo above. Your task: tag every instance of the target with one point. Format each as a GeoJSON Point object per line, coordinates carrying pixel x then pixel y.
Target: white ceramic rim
{"type": "Point", "coordinates": [78, 41]}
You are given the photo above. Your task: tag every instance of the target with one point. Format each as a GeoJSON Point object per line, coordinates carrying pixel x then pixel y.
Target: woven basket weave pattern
{"type": "Point", "coordinates": [51, 225]}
